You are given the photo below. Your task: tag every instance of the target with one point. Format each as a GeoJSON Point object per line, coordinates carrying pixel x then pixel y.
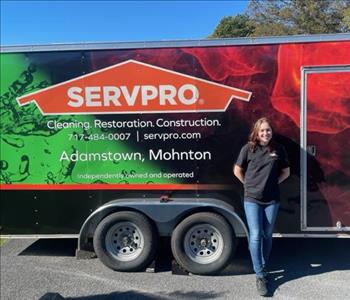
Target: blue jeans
{"type": "Point", "coordinates": [261, 219]}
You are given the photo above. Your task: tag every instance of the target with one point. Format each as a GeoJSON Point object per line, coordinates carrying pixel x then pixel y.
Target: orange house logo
{"type": "Point", "coordinates": [133, 87]}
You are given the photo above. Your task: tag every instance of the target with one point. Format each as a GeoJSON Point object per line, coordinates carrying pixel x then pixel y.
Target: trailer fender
{"type": "Point", "coordinates": [165, 215]}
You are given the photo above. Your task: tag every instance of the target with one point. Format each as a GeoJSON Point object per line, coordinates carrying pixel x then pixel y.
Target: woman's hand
{"type": "Point", "coordinates": [239, 173]}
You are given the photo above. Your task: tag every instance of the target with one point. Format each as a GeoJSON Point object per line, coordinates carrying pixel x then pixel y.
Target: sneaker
{"type": "Point", "coordinates": [261, 286]}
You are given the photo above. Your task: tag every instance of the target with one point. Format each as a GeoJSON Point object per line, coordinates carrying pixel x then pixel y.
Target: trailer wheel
{"type": "Point", "coordinates": [203, 243]}
{"type": "Point", "coordinates": [125, 241]}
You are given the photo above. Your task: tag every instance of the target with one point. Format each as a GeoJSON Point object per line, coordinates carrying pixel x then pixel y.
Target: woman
{"type": "Point", "coordinates": [262, 164]}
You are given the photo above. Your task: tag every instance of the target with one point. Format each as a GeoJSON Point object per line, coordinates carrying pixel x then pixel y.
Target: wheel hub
{"type": "Point", "coordinates": [127, 240]}
{"type": "Point", "coordinates": [124, 241]}
{"type": "Point", "coordinates": [203, 243]}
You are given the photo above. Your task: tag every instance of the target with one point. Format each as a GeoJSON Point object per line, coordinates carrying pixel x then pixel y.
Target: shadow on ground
{"type": "Point", "coordinates": [51, 247]}
{"type": "Point", "coordinates": [296, 258]}
{"type": "Point", "coordinates": [134, 295]}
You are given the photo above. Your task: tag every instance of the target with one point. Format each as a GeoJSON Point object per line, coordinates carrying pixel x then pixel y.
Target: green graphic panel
{"type": "Point", "coordinates": [35, 151]}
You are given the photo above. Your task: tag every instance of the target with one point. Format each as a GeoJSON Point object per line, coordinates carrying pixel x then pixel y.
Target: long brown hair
{"type": "Point", "coordinates": [253, 140]}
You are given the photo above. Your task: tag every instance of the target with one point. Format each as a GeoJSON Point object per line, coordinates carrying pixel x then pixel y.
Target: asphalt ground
{"type": "Point", "coordinates": [47, 269]}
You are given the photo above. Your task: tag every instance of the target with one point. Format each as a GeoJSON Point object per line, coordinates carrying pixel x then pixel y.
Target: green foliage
{"type": "Point", "coordinates": [235, 26]}
{"type": "Point", "coordinates": [286, 17]}
{"type": "Point", "coordinates": [346, 19]}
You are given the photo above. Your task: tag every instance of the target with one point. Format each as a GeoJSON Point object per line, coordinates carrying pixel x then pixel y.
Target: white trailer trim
{"type": "Point", "coordinates": [305, 70]}
{"type": "Point", "coordinates": [40, 236]}
{"type": "Point", "coordinates": [178, 43]}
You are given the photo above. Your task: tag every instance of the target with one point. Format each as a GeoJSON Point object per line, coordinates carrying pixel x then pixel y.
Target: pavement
{"type": "Point", "coordinates": [47, 269]}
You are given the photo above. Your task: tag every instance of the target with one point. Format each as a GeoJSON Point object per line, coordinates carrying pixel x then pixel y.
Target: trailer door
{"type": "Point", "coordinates": [325, 148]}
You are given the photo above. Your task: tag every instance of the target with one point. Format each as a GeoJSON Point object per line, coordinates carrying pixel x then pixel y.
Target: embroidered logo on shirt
{"type": "Point", "coordinates": [273, 154]}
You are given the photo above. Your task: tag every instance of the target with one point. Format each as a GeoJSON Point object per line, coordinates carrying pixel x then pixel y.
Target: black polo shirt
{"type": "Point", "coordinates": [262, 169]}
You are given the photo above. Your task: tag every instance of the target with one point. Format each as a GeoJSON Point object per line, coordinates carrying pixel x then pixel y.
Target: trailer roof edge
{"type": "Point", "coordinates": [177, 43]}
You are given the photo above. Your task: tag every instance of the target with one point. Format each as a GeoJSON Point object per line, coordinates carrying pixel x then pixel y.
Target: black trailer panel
{"type": "Point", "coordinates": [83, 125]}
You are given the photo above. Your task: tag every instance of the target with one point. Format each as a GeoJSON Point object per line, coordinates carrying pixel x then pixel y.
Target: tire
{"type": "Point", "coordinates": [125, 241]}
{"type": "Point", "coordinates": [203, 243]}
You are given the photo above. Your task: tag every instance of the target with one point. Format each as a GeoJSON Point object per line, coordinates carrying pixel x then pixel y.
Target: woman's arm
{"type": "Point", "coordinates": [284, 175]}
{"type": "Point", "coordinates": [239, 173]}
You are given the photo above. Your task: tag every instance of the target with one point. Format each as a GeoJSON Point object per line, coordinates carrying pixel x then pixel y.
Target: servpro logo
{"type": "Point", "coordinates": [133, 87]}
{"type": "Point", "coordinates": [96, 96]}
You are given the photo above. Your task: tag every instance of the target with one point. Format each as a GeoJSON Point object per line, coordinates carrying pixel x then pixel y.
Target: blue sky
{"type": "Point", "coordinates": [41, 22]}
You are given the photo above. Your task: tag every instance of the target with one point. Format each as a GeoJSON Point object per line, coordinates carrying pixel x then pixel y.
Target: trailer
{"type": "Point", "coordinates": [121, 144]}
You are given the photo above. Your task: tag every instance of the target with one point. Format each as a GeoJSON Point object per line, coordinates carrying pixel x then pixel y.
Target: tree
{"type": "Point", "coordinates": [346, 19]}
{"type": "Point", "coordinates": [285, 17]}
{"type": "Point", "coordinates": [296, 16]}
{"type": "Point", "coordinates": [235, 26]}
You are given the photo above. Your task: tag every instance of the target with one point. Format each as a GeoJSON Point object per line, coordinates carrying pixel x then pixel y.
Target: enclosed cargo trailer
{"type": "Point", "coordinates": [118, 144]}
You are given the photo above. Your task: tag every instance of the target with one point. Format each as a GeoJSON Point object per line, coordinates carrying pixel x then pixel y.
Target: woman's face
{"type": "Point", "coordinates": [265, 133]}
